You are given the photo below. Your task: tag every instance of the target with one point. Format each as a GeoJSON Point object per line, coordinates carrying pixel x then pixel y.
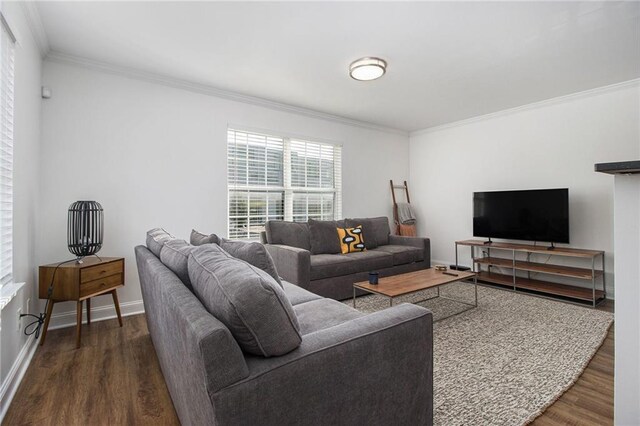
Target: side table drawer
{"type": "Point", "coordinates": [100, 285]}
{"type": "Point", "coordinates": [101, 271]}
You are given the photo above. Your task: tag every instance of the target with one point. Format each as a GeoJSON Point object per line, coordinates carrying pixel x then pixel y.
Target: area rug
{"type": "Point", "coordinates": [505, 361]}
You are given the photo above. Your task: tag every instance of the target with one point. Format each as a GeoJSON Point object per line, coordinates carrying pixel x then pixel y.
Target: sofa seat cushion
{"type": "Point", "coordinates": [336, 265]}
{"type": "Point", "coordinates": [330, 265]}
{"type": "Point", "coordinates": [323, 313]}
{"type": "Point", "coordinates": [245, 299]}
{"type": "Point", "coordinates": [402, 254]}
{"type": "Point", "coordinates": [370, 260]}
{"type": "Point", "coordinates": [297, 295]}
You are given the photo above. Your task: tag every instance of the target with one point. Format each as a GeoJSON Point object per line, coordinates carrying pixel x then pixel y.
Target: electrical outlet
{"type": "Point", "coordinates": [19, 318]}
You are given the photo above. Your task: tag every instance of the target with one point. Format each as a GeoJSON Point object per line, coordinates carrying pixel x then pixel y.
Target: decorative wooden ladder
{"type": "Point", "coordinates": [405, 230]}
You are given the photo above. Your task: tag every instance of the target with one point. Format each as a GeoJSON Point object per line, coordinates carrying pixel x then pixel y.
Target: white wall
{"type": "Point", "coordinates": [153, 155]}
{"type": "Point", "coordinates": [13, 344]}
{"type": "Point", "coordinates": [554, 144]}
{"type": "Point", "coordinates": [627, 315]}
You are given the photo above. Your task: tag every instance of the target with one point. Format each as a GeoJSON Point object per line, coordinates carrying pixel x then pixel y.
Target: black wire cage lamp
{"type": "Point", "coordinates": [85, 228]}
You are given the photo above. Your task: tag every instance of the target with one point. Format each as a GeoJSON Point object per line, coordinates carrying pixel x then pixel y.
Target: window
{"type": "Point", "coordinates": [7, 53]}
{"type": "Point", "coordinates": [280, 178]}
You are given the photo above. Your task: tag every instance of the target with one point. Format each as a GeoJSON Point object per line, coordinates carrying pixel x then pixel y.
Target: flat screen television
{"type": "Point", "coordinates": [531, 215]}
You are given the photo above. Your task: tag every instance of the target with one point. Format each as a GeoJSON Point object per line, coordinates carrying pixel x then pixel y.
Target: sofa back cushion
{"type": "Point", "coordinates": [294, 234]}
{"type": "Point", "coordinates": [254, 253]}
{"type": "Point", "coordinates": [175, 256]}
{"type": "Point", "coordinates": [156, 238]}
{"type": "Point", "coordinates": [246, 300]}
{"type": "Point", "coordinates": [324, 236]}
{"type": "Point", "coordinates": [375, 230]}
{"type": "Point", "coordinates": [198, 238]}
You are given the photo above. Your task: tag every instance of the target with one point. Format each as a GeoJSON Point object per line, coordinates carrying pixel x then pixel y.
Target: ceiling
{"type": "Point", "coordinates": [447, 61]}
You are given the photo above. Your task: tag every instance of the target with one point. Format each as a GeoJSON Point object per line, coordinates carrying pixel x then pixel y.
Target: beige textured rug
{"type": "Point", "coordinates": [504, 362]}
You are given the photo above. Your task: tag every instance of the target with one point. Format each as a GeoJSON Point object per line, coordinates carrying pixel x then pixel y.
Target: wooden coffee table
{"type": "Point", "coordinates": [412, 282]}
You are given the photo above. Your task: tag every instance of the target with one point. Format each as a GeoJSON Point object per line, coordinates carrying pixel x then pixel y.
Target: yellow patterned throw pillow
{"type": "Point", "coordinates": [351, 239]}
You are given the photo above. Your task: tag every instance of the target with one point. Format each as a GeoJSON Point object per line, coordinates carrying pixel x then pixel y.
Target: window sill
{"type": "Point", "coordinates": [8, 292]}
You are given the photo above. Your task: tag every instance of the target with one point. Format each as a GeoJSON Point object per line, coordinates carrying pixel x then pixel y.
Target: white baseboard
{"type": "Point", "coordinates": [100, 313]}
{"type": "Point", "coordinates": [13, 379]}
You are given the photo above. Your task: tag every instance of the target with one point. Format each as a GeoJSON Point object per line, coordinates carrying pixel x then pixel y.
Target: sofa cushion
{"type": "Point", "coordinates": [324, 236]}
{"type": "Point", "coordinates": [368, 233]}
{"type": "Point", "coordinates": [294, 234]}
{"type": "Point", "coordinates": [403, 254]}
{"type": "Point", "coordinates": [297, 295]}
{"type": "Point", "coordinates": [156, 238]}
{"type": "Point", "coordinates": [246, 300]}
{"type": "Point", "coordinates": [198, 238]}
{"type": "Point", "coordinates": [375, 229]}
{"type": "Point", "coordinates": [175, 256]}
{"type": "Point", "coordinates": [323, 313]}
{"type": "Point", "coordinates": [367, 261]}
{"type": "Point", "coordinates": [351, 240]}
{"type": "Point", "coordinates": [330, 265]}
{"type": "Point", "coordinates": [252, 252]}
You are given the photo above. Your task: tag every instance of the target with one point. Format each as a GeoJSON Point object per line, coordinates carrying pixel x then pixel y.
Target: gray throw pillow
{"type": "Point", "coordinates": [252, 252]}
{"type": "Point", "coordinates": [294, 234]}
{"type": "Point", "coordinates": [246, 300]}
{"type": "Point", "coordinates": [376, 228]}
{"type": "Point", "coordinates": [175, 256]}
{"type": "Point", "coordinates": [198, 238]}
{"type": "Point", "coordinates": [156, 238]}
{"type": "Point", "coordinates": [324, 236]}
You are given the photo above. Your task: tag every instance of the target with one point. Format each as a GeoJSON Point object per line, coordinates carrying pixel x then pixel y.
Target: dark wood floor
{"type": "Point", "coordinates": [115, 379]}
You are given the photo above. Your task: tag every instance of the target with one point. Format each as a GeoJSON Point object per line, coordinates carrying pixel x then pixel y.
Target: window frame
{"type": "Point", "coordinates": [287, 189]}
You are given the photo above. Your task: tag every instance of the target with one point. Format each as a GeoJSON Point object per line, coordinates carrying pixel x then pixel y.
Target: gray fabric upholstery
{"type": "Point", "coordinates": [297, 295]}
{"type": "Point", "coordinates": [368, 232]}
{"type": "Point", "coordinates": [330, 265]}
{"type": "Point", "coordinates": [402, 254]}
{"type": "Point", "coordinates": [373, 370]}
{"type": "Point", "coordinates": [293, 264]}
{"type": "Point", "coordinates": [367, 261]}
{"type": "Point", "coordinates": [252, 252]}
{"type": "Point", "coordinates": [324, 236]}
{"type": "Point", "coordinates": [197, 353]}
{"type": "Point", "coordinates": [341, 287]}
{"type": "Point", "coordinates": [418, 242]}
{"type": "Point", "coordinates": [373, 227]}
{"type": "Point", "coordinates": [343, 373]}
{"type": "Point", "coordinates": [156, 238]}
{"type": "Point", "coordinates": [246, 299]}
{"type": "Point", "coordinates": [323, 313]}
{"type": "Point", "coordinates": [175, 255]}
{"type": "Point", "coordinates": [198, 238]}
{"type": "Point", "coordinates": [294, 234]}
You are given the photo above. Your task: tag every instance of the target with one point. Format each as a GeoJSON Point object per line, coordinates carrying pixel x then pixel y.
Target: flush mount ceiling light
{"type": "Point", "coordinates": [366, 69]}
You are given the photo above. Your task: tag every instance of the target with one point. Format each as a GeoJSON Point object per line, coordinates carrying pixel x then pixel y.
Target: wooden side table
{"type": "Point", "coordinates": [80, 282]}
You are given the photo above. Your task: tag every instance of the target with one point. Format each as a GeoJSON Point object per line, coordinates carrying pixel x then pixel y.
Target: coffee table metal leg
{"type": "Point", "coordinates": [475, 285]}
{"type": "Point", "coordinates": [391, 301]}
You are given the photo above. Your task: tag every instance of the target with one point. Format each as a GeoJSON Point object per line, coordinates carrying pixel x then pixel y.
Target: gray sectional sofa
{"type": "Point", "coordinates": [308, 254]}
{"type": "Point", "coordinates": [311, 360]}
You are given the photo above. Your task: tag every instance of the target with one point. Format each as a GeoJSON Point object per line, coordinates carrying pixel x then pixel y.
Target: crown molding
{"type": "Point", "coordinates": [37, 28]}
{"type": "Point", "coordinates": [531, 106]}
{"type": "Point", "coordinates": [165, 80]}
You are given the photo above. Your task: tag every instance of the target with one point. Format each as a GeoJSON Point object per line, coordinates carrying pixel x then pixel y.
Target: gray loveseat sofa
{"type": "Point", "coordinates": [308, 254]}
{"type": "Point", "coordinates": [348, 369]}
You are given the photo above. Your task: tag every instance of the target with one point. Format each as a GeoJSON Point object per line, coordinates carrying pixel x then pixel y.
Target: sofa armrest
{"type": "Point", "coordinates": [419, 242]}
{"type": "Point", "coordinates": [292, 263]}
{"type": "Point", "coordinates": [376, 369]}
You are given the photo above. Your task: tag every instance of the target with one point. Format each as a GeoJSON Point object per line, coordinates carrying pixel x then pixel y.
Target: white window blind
{"type": "Point", "coordinates": [7, 54]}
{"type": "Point", "coordinates": [280, 178]}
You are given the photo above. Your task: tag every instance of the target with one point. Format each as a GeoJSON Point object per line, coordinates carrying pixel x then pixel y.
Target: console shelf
{"type": "Point", "coordinates": [517, 282]}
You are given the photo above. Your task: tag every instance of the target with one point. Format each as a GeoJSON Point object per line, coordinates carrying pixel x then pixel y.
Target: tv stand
{"type": "Point", "coordinates": [518, 258]}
